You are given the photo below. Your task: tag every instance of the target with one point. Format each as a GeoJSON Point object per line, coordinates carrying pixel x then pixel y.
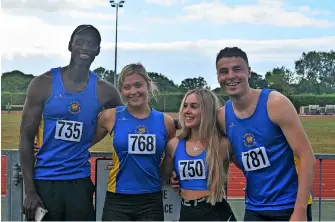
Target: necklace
{"type": "Point", "coordinates": [195, 148]}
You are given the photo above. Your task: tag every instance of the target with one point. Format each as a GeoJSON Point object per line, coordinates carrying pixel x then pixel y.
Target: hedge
{"type": "Point", "coordinates": [170, 102]}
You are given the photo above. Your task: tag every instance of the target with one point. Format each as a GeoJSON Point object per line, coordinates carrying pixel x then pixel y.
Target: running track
{"type": "Point", "coordinates": [236, 181]}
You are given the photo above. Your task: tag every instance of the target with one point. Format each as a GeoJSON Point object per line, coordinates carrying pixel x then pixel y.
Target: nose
{"type": "Point", "coordinates": [133, 90]}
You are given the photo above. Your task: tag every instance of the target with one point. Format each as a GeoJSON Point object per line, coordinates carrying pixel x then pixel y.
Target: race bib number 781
{"type": "Point", "coordinates": [68, 130]}
{"type": "Point", "coordinates": [255, 159]}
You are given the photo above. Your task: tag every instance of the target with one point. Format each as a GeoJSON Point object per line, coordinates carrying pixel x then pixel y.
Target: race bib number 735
{"type": "Point", "coordinates": [255, 159]}
{"type": "Point", "coordinates": [68, 130]}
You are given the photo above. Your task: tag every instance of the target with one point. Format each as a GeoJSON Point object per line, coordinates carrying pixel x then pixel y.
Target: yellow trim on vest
{"type": "Point", "coordinates": [111, 187]}
{"type": "Point", "coordinates": [297, 165]}
{"type": "Point", "coordinates": [39, 136]}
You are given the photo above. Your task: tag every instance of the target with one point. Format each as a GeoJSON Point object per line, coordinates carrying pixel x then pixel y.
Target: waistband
{"type": "Point", "coordinates": [193, 203]}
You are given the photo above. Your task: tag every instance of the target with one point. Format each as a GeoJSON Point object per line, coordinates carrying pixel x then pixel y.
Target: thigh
{"type": "Point", "coordinates": [117, 207]}
{"type": "Point", "coordinates": [224, 211]}
{"type": "Point", "coordinates": [51, 195]}
{"type": "Point", "coordinates": [79, 200]}
{"type": "Point", "coordinates": [250, 215]}
{"type": "Point", "coordinates": [151, 208]}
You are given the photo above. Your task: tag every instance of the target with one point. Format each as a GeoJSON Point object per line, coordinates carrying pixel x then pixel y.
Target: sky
{"type": "Point", "coordinates": [178, 38]}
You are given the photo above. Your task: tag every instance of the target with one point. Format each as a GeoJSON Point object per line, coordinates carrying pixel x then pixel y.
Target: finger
{"type": "Point", "coordinates": [174, 174]}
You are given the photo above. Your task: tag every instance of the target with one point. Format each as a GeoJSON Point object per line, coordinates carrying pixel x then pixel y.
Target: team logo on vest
{"type": "Point", "coordinates": [74, 107]}
{"type": "Point", "coordinates": [141, 129]}
{"type": "Point", "coordinates": [249, 140]}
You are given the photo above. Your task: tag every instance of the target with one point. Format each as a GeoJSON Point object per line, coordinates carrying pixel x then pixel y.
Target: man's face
{"type": "Point", "coordinates": [233, 74]}
{"type": "Point", "coordinates": [85, 46]}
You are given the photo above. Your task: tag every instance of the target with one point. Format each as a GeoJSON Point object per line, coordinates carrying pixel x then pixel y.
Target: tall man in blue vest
{"type": "Point", "coordinates": [269, 144]}
{"type": "Point", "coordinates": [61, 108]}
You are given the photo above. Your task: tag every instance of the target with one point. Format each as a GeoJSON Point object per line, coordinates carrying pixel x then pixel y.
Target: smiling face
{"type": "Point", "coordinates": [191, 111]}
{"type": "Point", "coordinates": [135, 90]}
{"type": "Point", "coordinates": [85, 46]}
{"type": "Point", "coordinates": [233, 74]}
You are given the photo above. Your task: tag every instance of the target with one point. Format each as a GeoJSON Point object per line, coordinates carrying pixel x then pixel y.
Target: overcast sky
{"type": "Point", "coordinates": [178, 38]}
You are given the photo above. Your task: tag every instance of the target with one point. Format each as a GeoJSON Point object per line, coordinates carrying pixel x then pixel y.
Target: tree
{"type": "Point", "coordinates": [105, 74]}
{"type": "Point", "coordinates": [318, 68]}
{"type": "Point", "coordinates": [257, 81]}
{"type": "Point", "coordinates": [280, 79]}
{"type": "Point", "coordinates": [193, 83]}
{"type": "Point", "coordinates": [15, 81]}
{"type": "Point", "coordinates": [163, 83]}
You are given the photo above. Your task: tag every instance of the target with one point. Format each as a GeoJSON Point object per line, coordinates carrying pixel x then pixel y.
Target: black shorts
{"type": "Point", "coordinates": [67, 200]}
{"type": "Point", "coordinates": [121, 207]}
{"type": "Point", "coordinates": [274, 215]}
{"type": "Point", "coordinates": [200, 210]}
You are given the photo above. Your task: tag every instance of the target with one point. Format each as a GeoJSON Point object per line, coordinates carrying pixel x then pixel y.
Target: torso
{"type": "Point", "coordinates": [192, 171]}
{"type": "Point", "coordinates": [264, 156]}
{"type": "Point", "coordinates": [66, 130]}
{"type": "Point", "coordinates": [138, 147]}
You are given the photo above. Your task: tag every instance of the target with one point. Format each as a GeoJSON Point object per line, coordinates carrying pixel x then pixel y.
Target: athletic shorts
{"type": "Point", "coordinates": [200, 210]}
{"type": "Point", "coordinates": [145, 207]}
{"type": "Point", "coordinates": [67, 200]}
{"type": "Point", "coordinates": [274, 215]}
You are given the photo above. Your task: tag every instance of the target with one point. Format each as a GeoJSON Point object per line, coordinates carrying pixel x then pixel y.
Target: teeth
{"type": "Point", "coordinates": [232, 84]}
{"type": "Point", "coordinates": [189, 118]}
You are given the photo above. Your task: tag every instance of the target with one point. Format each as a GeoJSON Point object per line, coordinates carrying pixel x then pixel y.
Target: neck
{"type": "Point", "coordinates": [195, 136]}
{"type": "Point", "coordinates": [140, 111]}
{"type": "Point", "coordinates": [242, 102]}
{"type": "Point", "coordinates": [77, 73]}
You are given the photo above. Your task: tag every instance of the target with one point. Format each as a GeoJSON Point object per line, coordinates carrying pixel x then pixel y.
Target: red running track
{"type": "Point", "coordinates": [236, 181]}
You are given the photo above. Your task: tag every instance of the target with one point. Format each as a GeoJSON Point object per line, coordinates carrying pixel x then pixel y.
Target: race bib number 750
{"type": "Point", "coordinates": [191, 169]}
{"type": "Point", "coordinates": [68, 130]}
{"type": "Point", "coordinates": [255, 159]}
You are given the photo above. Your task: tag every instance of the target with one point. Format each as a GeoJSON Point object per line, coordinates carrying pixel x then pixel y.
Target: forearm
{"type": "Point", "coordinates": [305, 181]}
{"type": "Point", "coordinates": [166, 169]}
{"type": "Point", "coordinates": [26, 149]}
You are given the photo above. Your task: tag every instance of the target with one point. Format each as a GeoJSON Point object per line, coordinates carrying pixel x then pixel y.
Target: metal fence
{"type": "Point", "coordinates": [15, 190]}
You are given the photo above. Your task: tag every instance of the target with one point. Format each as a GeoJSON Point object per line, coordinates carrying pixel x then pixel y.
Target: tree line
{"type": "Point", "coordinates": [314, 73]}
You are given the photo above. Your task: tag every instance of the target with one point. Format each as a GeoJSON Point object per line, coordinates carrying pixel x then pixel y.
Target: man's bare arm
{"type": "Point", "coordinates": [108, 95]}
{"type": "Point", "coordinates": [31, 117]}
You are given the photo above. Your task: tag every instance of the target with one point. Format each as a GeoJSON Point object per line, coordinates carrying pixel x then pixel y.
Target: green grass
{"type": "Point", "coordinates": [320, 131]}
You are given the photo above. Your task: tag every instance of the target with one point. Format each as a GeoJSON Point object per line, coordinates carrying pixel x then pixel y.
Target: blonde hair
{"type": "Point", "coordinates": [138, 68]}
{"type": "Point", "coordinates": [210, 136]}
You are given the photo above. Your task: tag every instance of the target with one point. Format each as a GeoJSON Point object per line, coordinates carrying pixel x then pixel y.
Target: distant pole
{"type": "Point", "coordinates": [116, 5]}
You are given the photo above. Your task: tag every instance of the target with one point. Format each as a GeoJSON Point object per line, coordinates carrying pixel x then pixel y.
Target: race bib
{"type": "Point", "coordinates": [68, 130]}
{"type": "Point", "coordinates": [191, 169]}
{"type": "Point", "coordinates": [142, 143]}
{"type": "Point", "coordinates": [255, 159]}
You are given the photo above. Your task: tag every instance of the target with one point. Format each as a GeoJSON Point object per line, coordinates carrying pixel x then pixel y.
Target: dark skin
{"type": "Point", "coordinates": [84, 47]}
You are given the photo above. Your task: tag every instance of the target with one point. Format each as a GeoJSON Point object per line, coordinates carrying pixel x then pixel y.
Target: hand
{"type": "Point", "coordinates": [299, 215]}
{"type": "Point", "coordinates": [31, 203]}
{"type": "Point", "coordinates": [174, 181]}
{"type": "Point", "coordinates": [110, 165]}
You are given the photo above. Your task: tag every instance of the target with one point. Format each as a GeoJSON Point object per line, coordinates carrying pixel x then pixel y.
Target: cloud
{"type": "Point", "coordinates": [31, 36]}
{"type": "Point", "coordinates": [51, 5]}
{"type": "Point", "coordinates": [92, 15]}
{"type": "Point", "coordinates": [166, 2]}
{"type": "Point", "coordinates": [265, 12]}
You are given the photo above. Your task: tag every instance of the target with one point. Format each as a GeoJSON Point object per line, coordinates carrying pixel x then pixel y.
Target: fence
{"type": "Point", "coordinates": [15, 190]}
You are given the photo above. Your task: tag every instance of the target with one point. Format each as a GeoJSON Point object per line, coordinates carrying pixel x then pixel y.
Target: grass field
{"type": "Point", "coordinates": [320, 131]}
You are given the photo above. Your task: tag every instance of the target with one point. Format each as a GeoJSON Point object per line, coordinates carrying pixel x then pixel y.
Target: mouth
{"type": "Point", "coordinates": [232, 84]}
{"type": "Point", "coordinates": [84, 56]}
{"type": "Point", "coordinates": [189, 118]}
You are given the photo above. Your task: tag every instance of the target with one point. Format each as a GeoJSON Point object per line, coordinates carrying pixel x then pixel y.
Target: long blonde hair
{"type": "Point", "coordinates": [210, 136]}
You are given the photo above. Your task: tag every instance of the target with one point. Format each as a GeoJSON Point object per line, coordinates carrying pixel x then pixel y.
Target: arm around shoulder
{"type": "Point", "coordinates": [108, 95]}
{"type": "Point", "coordinates": [170, 126]}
